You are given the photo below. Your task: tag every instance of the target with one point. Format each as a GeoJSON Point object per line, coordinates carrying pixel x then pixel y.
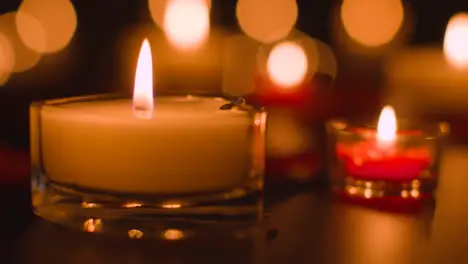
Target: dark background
{"type": "Point", "coordinates": [90, 63]}
{"type": "Point", "coordinates": [312, 227]}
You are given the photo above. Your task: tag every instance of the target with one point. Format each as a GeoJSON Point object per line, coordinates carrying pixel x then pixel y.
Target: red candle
{"type": "Point", "coordinates": [367, 161]}
{"type": "Point", "coordinates": [378, 157]}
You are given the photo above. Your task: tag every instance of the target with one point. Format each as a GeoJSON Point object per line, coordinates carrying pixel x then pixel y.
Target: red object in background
{"type": "Point", "coordinates": [366, 161]}
{"type": "Point", "coordinates": [301, 96]}
{"type": "Point", "coordinates": [14, 166]}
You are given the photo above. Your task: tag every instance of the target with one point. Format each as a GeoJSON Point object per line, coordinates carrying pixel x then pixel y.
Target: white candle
{"type": "Point", "coordinates": [163, 145]}
{"type": "Point", "coordinates": [188, 145]}
{"type": "Point", "coordinates": [430, 79]}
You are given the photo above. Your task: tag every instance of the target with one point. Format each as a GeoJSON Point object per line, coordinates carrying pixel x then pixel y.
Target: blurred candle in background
{"type": "Point", "coordinates": [432, 80]}
{"type": "Point", "coordinates": [290, 80]}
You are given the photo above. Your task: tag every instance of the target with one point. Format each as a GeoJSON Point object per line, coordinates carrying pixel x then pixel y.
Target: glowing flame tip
{"type": "Point", "coordinates": [143, 89]}
{"type": "Point", "coordinates": [387, 126]}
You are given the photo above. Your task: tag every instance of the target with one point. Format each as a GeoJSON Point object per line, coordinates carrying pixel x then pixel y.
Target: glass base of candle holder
{"type": "Point", "coordinates": [135, 215]}
{"type": "Point", "coordinates": [417, 189]}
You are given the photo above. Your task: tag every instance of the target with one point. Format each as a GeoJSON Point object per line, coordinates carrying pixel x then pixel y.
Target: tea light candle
{"type": "Point", "coordinates": [379, 158]}
{"type": "Point", "coordinates": [385, 162]}
{"type": "Point", "coordinates": [182, 144]}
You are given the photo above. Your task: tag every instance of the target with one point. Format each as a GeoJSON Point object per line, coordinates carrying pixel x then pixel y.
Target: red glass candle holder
{"type": "Point", "coordinates": [407, 169]}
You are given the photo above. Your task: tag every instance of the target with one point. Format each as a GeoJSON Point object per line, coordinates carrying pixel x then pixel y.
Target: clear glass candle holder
{"type": "Point", "coordinates": [406, 169]}
{"type": "Point", "coordinates": [196, 158]}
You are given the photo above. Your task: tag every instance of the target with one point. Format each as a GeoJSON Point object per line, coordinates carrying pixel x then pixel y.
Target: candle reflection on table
{"type": "Point", "coordinates": [450, 219]}
{"type": "Point", "coordinates": [361, 235]}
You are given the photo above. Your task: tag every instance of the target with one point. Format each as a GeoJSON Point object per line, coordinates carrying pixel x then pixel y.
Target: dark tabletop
{"type": "Point", "coordinates": [302, 225]}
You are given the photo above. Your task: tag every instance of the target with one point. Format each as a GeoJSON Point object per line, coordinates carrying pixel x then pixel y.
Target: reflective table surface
{"type": "Point", "coordinates": [302, 225]}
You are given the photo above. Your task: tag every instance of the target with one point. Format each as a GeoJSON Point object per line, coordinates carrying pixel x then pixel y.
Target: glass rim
{"type": "Point", "coordinates": [238, 103]}
{"type": "Point", "coordinates": [407, 128]}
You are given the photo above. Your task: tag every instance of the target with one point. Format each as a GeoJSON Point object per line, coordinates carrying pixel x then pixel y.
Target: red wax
{"type": "Point", "coordinates": [369, 161]}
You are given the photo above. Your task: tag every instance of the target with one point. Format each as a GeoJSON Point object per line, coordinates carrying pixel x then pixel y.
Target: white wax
{"type": "Point", "coordinates": [188, 146]}
{"type": "Point", "coordinates": [423, 79]}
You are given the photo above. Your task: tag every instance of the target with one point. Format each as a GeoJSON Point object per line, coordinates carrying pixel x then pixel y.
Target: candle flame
{"type": "Point", "coordinates": [387, 126]}
{"type": "Point", "coordinates": [143, 89]}
{"type": "Point", "coordinates": [287, 64]}
{"type": "Point", "coordinates": [187, 23]}
{"type": "Point", "coordinates": [456, 40]}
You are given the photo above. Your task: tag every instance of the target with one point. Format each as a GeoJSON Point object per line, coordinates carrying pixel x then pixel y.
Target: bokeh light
{"type": "Point", "coordinates": [158, 8]}
{"type": "Point", "coordinates": [173, 234]}
{"type": "Point", "coordinates": [46, 26]}
{"type": "Point", "coordinates": [372, 23]}
{"type": "Point", "coordinates": [291, 62]}
{"type": "Point", "coordinates": [456, 40]}
{"type": "Point", "coordinates": [24, 58]}
{"type": "Point", "coordinates": [265, 20]}
{"type": "Point", "coordinates": [7, 59]}
{"type": "Point", "coordinates": [187, 23]}
{"type": "Point", "coordinates": [287, 64]}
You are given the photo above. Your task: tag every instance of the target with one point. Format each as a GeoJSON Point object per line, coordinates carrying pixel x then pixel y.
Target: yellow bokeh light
{"type": "Point", "coordinates": [23, 58]}
{"type": "Point", "coordinates": [7, 59]}
{"type": "Point", "coordinates": [135, 234]}
{"type": "Point", "coordinates": [287, 64]}
{"type": "Point", "coordinates": [456, 40]}
{"type": "Point", "coordinates": [372, 23]}
{"type": "Point", "coordinates": [187, 23]}
{"type": "Point", "coordinates": [46, 26]}
{"type": "Point", "coordinates": [158, 7]}
{"type": "Point", "coordinates": [92, 225]}
{"type": "Point", "coordinates": [265, 20]}
{"type": "Point", "coordinates": [173, 234]}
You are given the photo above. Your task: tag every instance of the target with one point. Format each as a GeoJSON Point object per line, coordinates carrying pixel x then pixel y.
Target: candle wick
{"type": "Point", "coordinates": [142, 113]}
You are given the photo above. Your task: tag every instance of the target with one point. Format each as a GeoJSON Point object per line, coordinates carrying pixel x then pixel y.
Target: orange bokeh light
{"type": "Point", "coordinates": [20, 56]}
{"type": "Point", "coordinates": [46, 26]}
{"type": "Point", "coordinates": [265, 20]}
{"type": "Point", "coordinates": [456, 40]}
{"type": "Point", "coordinates": [372, 23]}
{"type": "Point", "coordinates": [7, 59]}
{"type": "Point", "coordinates": [287, 64]}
